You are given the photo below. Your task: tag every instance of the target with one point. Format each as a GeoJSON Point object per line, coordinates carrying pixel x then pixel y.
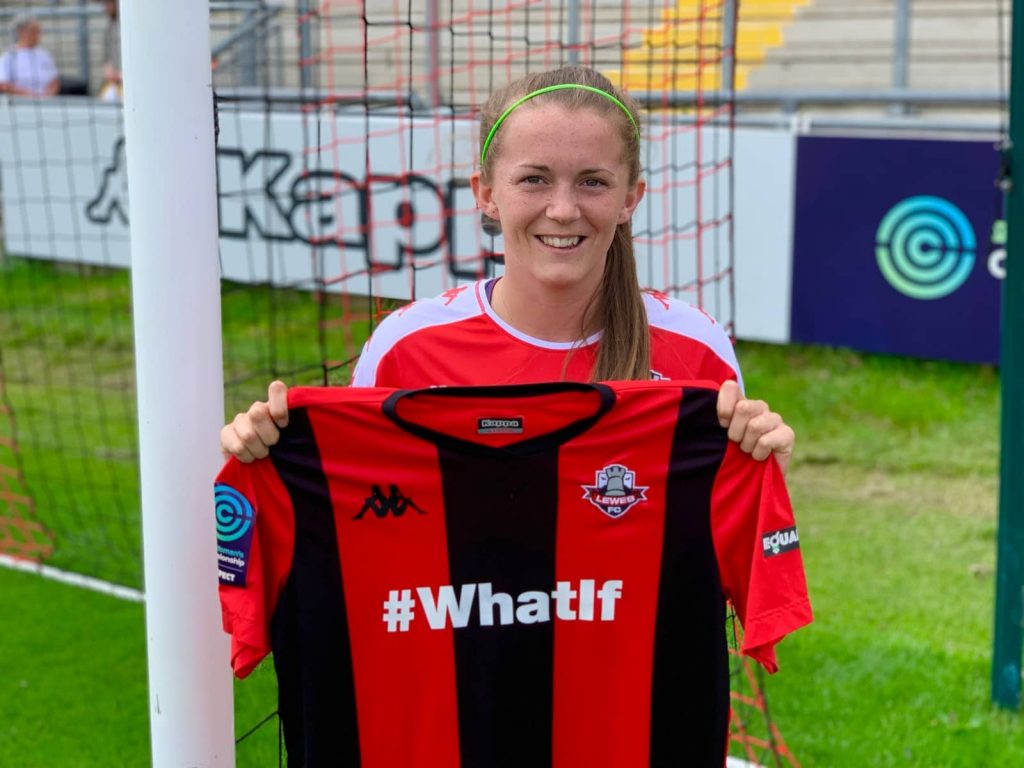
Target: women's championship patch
{"type": "Point", "coordinates": [235, 526]}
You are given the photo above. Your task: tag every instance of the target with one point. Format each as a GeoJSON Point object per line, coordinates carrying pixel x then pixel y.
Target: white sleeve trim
{"type": "Point", "coordinates": [687, 320]}
{"type": "Point", "coordinates": [418, 316]}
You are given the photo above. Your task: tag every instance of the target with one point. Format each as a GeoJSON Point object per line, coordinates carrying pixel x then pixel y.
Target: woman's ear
{"type": "Point", "coordinates": [484, 195]}
{"type": "Point", "coordinates": [633, 198]}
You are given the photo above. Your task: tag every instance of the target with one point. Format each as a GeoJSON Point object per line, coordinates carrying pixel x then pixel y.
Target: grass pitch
{"type": "Point", "coordinates": [895, 489]}
{"type": "Point", "coordinates": [894, 485]}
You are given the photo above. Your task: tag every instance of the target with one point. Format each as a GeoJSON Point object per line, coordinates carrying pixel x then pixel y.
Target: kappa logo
{"type": "Point", "coordinates": [271, 195]}
{"type": "Point", "coordinates": [512, 425]}
{"type": "Point", "coordinates": [615, 490]}
{"type": "Point", "coordinates": [111, 199]}
{"type": "Point", "coordinates": [452, 294]}
{"type": "Point", "coordinates": [776, 542]}
{"type": "Point", "coordinates": [395, 503]}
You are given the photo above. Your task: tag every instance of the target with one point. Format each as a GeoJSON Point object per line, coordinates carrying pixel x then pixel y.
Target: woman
{"type": "Point", "coordinates": [560, 175]}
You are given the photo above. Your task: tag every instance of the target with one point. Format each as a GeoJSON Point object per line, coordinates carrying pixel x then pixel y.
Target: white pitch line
{"type": "Point", "coordinates": [74, 579]}
{"type": "Point", "coordinates": [735, 762]}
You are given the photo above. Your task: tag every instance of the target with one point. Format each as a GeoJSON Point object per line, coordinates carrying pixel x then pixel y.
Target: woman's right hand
{"type": "Point", "coordinates": [249, 435]}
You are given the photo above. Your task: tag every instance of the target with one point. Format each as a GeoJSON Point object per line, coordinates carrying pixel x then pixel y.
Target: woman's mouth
{"type": "Point", "coordinates": [561, 242]}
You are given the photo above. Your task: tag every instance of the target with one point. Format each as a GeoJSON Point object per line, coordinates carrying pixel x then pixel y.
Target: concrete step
{"type": "Point", "coordinates": [754, 34]}
{"type": "Point", "coordinates": [849, 44]}
{"type": "Point", "coordinates": [824, 44]}
{"type": "Point", "coordinates": [978, 29]}
{"type": "Point", "coordinates": [857, 74]}
{"type": "Point", "coordinates": [810, 52]}
{"type": "Point", "coordinates": [679, 78]}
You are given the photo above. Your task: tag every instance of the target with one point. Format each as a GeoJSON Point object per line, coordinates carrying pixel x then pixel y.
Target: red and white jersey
{"type": "Point", "coordinates": [457, 338]}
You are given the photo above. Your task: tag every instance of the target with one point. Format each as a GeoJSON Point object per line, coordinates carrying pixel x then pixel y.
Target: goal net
{"type": "Point", "coordinates": [346, 137]}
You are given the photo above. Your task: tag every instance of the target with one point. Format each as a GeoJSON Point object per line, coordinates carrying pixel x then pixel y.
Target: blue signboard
{"type": "Point", "coordinates": [892, 247]}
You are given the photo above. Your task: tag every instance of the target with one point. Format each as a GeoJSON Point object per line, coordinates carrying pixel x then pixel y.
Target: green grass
{"type": "Point", "coordinates": [72, 677]}
{"type": "Point", "coordinates": [894, 484]}
{"type": "Point", "coordinates": [66, 350]}
{"type": "Point", "coordinates": [69, 380]}
{"type": "Point", "coordinates": [881, 412]}
{"type": "Point", "coordinates": [67, 356]}
{"type": "Point", "coordinates": [73, 682]}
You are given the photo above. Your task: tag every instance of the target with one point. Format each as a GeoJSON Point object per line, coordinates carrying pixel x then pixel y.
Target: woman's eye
{"type": "Point", "coordinates": [532, 180]}
{"type": "Point", "coordinates": [593, 183]}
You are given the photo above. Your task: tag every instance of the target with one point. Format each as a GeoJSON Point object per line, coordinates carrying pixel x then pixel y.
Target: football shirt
{"type": "Point", "coordinates": [531, 575]}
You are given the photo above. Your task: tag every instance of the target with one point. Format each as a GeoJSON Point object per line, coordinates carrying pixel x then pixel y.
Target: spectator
{"type": "Point", "coordinates": [27, 69]}
{"type": "Point", "coordinates": [111, 90]}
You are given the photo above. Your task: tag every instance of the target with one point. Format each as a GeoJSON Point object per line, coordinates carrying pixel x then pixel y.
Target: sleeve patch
{"type": "Point", "coordinates": [235, 526]}
{"type": "Point", "coordinates": [776, 542]}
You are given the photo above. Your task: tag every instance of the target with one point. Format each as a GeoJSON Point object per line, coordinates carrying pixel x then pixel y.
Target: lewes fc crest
{"type": "Point", "coordinates": [614, 490]}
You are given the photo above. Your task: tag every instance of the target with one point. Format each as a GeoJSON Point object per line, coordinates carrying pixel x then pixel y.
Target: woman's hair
{"type": "Point", "coordinates": [625, 349]}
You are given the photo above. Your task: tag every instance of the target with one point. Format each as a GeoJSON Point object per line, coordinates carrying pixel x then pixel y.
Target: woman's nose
{"type": "Point", "coordinates": [562, 205]}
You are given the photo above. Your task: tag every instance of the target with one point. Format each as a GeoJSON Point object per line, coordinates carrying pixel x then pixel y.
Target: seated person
{"type": "Point", "coordinates": [26, 69]}
{"type": "Point", "coordinates": [111, 90]}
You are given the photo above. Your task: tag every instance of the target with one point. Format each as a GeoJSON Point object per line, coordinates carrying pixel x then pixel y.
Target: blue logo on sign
{"type": "Point", "coordinates": [234, 513]}
{"type": "Point", "coordinates": [925, 247]}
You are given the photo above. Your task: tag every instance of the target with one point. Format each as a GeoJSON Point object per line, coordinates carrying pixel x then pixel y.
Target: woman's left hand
{"type": "Point", "coordinates": [760, 431]}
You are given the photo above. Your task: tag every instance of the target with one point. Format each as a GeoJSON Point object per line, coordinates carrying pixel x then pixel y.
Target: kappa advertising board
{"type": "Point", "coordinates": [384, 204]}
{"type": "Point", "coordinates": [897, 247]}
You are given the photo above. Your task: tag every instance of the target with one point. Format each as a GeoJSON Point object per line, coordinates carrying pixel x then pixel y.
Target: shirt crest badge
{"type": "Point", "coordinates": [615, 490]}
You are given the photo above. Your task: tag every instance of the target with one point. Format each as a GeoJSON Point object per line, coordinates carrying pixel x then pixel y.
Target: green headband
{"type": "Point", "coordinates": [559, 87]}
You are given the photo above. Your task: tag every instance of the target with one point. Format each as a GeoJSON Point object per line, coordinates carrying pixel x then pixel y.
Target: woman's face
{"type": "Point", "coordinates": [559, 187]}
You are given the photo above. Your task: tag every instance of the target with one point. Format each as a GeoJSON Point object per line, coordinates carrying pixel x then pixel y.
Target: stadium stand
{"type": "Point", "coordinates": [794, 47]}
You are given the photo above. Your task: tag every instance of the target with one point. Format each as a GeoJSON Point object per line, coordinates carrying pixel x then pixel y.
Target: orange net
{"type": "Point", "coordinates": [21, 535]}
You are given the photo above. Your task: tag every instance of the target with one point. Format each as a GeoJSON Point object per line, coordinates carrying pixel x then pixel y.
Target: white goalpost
{"type": "Point", "coordinates": [349, 135]}
{"type": "Point", "coordinates": [168, 115]}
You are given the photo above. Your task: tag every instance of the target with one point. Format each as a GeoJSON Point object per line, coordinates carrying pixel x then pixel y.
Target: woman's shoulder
{"type": "Point", "coordinates": [412, 320]}
{"type": "Point", "coordinates": [453, 304]}
{"type": "Point", "coordinates": [671, 314]}
{"type": "Point", "coordinates": [687, 341]}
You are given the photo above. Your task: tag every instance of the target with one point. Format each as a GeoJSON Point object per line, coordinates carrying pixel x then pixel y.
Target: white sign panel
{"type": "Point", "coordinates": [345, 202]}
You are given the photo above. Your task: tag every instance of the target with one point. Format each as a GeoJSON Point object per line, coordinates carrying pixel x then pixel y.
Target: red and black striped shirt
{"type": "Point", "coordinates": [532, 575]}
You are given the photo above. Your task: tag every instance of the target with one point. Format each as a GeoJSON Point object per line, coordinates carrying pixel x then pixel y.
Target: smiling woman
{"type": "Point", "coordinates": [561, 179]}
{"type": "Point", "coordinates": [560, 176]}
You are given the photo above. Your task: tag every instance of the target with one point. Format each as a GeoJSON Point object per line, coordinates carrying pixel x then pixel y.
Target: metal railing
{"type": "Point", "coordinates": [71, 29]}
{"type": "Point", "coordinates": [247, 45]}
{"type": "Point", "coordinates": [907, 46]}
{"type": "Point", "coordinates": [896, 56]}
